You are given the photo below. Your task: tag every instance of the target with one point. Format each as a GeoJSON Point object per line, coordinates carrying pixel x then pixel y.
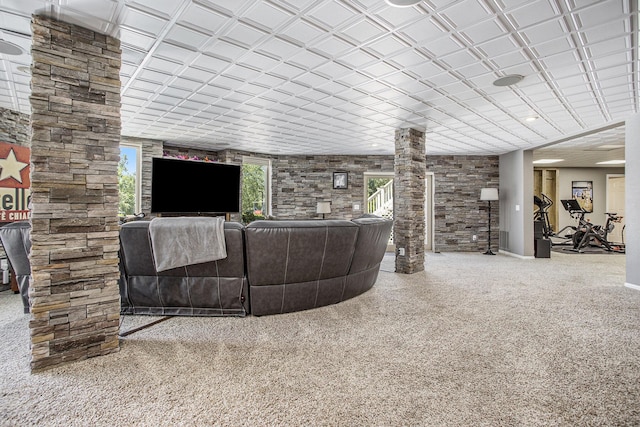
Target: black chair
{"type": "Point", "coordinates": [16, 239]}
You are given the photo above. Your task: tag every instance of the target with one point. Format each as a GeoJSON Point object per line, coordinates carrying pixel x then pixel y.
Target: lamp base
{"type": "Point", "coordinates": [489, 252]}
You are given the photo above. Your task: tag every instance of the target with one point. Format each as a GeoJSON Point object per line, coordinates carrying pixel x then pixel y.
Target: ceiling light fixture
{"type": "Point", "coordinates": [402, 3]}
{"type": "Point", "coordinates": [508, 80]}
{"type": "Point", "coordinates": [612, 162]}
{"type": "Point", "coordinates": [547, 161]}
{"type": "Point", "coordinates": [532, 118]}
{"type": "Point", "coordinates": [8, 48]}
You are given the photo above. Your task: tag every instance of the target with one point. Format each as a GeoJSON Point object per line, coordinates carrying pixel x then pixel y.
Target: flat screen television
{"type": "Point", "coordinates": [194, 187]}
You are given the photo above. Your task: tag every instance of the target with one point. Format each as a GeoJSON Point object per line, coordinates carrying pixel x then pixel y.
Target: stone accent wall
{"type": "Point", "coordinates": [75, 105]}
{"type": "Point", "coordinates": [299, 182]}
{"type": "Point", "coordinates": [459, 213]}
{"type": "Point", "coordinates": [14, 127]}
{"type": "Point", "coordinates": [409, 200]}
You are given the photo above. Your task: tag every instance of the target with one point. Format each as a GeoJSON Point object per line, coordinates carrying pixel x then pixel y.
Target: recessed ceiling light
{"type": "Point", "coordinates": [547, 161]}
{"type": "Point", "coordinates": [402, 3]}
{"type": "Point", "coordinates": [532, 118]}
{"type": "Point", "coordinates": [508, 80]}
{"type": "Point", "coordinates": [8, 48]}
{"type": "Point", "coordinates": [612, 162]}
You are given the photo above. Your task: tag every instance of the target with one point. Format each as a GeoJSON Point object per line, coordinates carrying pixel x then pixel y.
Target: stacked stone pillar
{"type": "Point", "coordinates": [409, 200]}
{"type": "Point", "coordinates": [75, 105]}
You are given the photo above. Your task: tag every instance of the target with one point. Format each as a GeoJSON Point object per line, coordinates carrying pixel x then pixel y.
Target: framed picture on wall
{"type": "Point", "coordinates": [340, 180]}
{"type": "Point", "coordinates": [582, 191]}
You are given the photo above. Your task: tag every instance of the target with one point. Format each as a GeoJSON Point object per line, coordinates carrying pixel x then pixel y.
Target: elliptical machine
{"type": "Point", "coordinates": [542, 214]}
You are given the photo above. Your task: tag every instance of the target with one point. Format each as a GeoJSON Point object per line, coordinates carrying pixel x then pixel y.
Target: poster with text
{"type": "Point", "coordinates": [15, 183]}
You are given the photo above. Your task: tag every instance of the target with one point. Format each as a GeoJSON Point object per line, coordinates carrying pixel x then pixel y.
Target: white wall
{"type": "Point", "coordinates": [632, 200]}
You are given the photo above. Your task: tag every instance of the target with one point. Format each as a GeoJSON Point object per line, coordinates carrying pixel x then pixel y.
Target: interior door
{"type": "Point", "coordinates": [615, 204]}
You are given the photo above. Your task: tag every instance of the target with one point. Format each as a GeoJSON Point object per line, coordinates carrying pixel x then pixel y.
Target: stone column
{"type": "Point", "coordinates": [75, 103]}
{"type": "Point", "coordinates": [409, 200]}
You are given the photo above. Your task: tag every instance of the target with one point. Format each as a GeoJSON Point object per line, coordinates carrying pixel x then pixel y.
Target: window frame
{"type": "Point", "coordinates": [138, 173]}
{"type": "Point", "coordinates": [261, 161]}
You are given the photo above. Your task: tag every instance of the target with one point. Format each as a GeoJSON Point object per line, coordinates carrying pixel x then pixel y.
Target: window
{"type": "Point", "coordinates": [129, 179]}
{"type": "Point", "coordinates": [256, 188]}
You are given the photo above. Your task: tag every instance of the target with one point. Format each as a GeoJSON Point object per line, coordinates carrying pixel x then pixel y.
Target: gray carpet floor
{"type": "Point", "coordinates": [473, 341]}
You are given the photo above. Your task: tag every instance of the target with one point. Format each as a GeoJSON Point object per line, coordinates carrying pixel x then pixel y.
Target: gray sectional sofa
{"type": "Point", "coordinates": [271, 267]}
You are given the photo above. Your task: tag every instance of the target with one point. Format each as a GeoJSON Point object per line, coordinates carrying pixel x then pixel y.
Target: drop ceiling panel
{"type": "Point", "coordinates": [203, 18]}
{"type": "Point", "coordinates": [423, 31]}
{"type": "Point", "coordinates": [467, 12]}
{"type": "Point", "coordinates": [192, 38]}
{"type": "Point", "coordinates": [268, 15]}
{"type": "Point", "coordinates": [141, 21]}
{"type": "Point", "coordinates": [331, 14]}
{"type": "Point", "coordinates": [300, 77]}
{"type": "Point", "coordinates": [533, 12]}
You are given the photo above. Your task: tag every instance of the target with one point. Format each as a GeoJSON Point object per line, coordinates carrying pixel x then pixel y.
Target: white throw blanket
{"type": "Point", "coordinates": [181, 241]}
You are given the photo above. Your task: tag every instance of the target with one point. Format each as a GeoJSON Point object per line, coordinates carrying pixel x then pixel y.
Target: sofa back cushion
{"type": "Point", "coordinates": [283, 252]}
{"type": "Point", "coordinates": [138, 259]}
{"type": "Point", "coordinates": [373, 238]}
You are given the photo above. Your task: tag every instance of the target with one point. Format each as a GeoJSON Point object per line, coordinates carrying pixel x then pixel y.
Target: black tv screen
{"type": "Point", "coordinates": [187, 186]}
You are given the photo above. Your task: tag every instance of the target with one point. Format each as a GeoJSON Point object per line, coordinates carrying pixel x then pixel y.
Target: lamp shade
{"type": "Point", "coordinates": [323, 207]}
{"type": "Point", "coordinates": [489, 194]}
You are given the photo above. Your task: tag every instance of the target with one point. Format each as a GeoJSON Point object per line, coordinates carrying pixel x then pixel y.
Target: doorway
{"type": "Point", "coordinates": [378, 195]}
{"type": "Point", "coordinates": [615, 204]}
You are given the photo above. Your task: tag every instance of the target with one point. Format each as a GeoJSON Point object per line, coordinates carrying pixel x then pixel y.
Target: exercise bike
{"type": "Point", "coordinates": [587, 234]}
{"type": "Point", "coordinates": [567, 233]}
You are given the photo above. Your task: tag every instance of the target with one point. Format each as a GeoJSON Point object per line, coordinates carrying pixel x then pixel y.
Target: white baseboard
{"type": "Point", "coordinates": [516, 255]}
{"type": "Point", "coordinates": [632, 286]}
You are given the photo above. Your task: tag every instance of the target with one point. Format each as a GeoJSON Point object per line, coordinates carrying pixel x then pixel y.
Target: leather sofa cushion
{"type": "Point", "coordinates": [138, 258]}
{"type": "Point", "coordinates": [373, 238]}
{"type": "Point", "coordinates": [281, 252]}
